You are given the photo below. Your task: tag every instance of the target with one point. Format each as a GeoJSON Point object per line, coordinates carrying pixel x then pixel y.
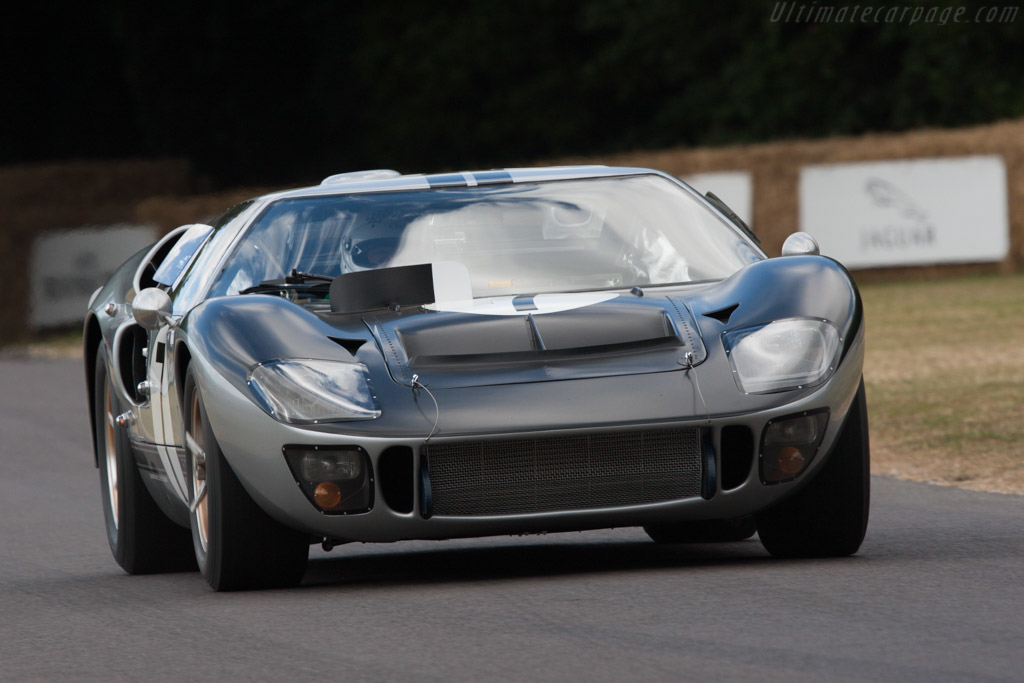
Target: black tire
{"type": "Point", "coordinates": [827, 518]}
{"type": "Point", "coordinates": [704, 531]}
{"type": "Point", "coordinates": [237, 545]}
{"type": "Point", "coordinates": [142, 538]}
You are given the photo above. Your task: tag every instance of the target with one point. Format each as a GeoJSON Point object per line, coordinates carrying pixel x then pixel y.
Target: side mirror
{"type": "Point", "coordinates": [800, 244]}
{"type": "Point", "coordinates": [151, 307]}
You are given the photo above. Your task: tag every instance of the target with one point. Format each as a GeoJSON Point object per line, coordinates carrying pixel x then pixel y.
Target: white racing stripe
{"type": "Point", "coordinates": [162, 423]}
{"type": "Point", "coordinates": [544, 303]}
{"type": "Point", "coordinates": [172, 452]}
{"type": "Point", "coordinates": [169, 458]}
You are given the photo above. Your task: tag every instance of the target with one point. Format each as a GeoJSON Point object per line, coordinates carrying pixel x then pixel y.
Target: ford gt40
{"type": "Point", "coordinates": [385, 357]}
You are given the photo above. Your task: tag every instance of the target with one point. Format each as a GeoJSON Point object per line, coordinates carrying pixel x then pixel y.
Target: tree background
{"type": "Point", "coordinates": [271, 91]}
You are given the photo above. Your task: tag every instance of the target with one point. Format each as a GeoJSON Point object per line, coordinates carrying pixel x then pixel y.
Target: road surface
{"type": "Point", "coordinates": [934, 595]}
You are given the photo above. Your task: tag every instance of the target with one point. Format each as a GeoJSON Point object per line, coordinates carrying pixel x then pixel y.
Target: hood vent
{"type": "Point", "coordinates": [722, 315]}
{"type": "Point", "coordinates": [350, 345]}
{"type": "Point", "coordinates": [617, 337]}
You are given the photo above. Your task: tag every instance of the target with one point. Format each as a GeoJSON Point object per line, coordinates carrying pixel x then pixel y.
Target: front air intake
{"type": "Point", "coordinates": [522, 476]}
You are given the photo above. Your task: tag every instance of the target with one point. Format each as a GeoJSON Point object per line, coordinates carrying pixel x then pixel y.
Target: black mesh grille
{"type": "Point", "coordinates": [563, 473]}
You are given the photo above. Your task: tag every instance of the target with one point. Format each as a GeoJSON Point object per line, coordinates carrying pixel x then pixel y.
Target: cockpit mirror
{"type": "Point", "coordinates": [800, 244]}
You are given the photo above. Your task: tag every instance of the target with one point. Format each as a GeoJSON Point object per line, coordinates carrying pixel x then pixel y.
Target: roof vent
{"type": "Point", "coordinates": [356, 176]}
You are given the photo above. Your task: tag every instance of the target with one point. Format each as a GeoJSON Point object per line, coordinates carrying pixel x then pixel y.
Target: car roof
{"type": "Point", "coordinates": [383, 180]}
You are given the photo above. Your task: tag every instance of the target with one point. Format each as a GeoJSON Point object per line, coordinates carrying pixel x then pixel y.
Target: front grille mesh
{"type": "Point", "coordinates": [563, 473]}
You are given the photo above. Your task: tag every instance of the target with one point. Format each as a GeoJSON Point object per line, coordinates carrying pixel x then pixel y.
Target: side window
{"type": "Point", "coordinates": [181, 253]}
{"type": "Point", "coordinates": [199, 273]}
{"type": "Point", "coordinates": [157, 255]}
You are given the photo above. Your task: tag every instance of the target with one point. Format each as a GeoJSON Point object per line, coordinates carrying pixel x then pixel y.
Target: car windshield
{"type": "Point", "coordinates": [518, 238]}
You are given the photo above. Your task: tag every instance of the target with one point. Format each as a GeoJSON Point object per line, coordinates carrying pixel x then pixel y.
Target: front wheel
{"type": "Point", "coordinates": [829, 516]}
{"type": "Point", "coordinates": [237, 545]}
{"type": "Point", "coordinates": [142, 539]}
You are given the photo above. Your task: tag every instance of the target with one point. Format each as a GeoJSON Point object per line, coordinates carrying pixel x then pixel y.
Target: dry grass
{"type": "Point", "coordinates": [52, 345]}
{"type": "Point", "coordinates": [945, 381]}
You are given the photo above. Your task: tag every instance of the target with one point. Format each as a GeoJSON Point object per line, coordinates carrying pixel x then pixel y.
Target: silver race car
{"type": "Point", "coordinates": [386, 357]}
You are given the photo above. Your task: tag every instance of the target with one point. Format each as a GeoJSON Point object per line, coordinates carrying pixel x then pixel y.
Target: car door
{"type": "Point", "coordinates": [162, 411]}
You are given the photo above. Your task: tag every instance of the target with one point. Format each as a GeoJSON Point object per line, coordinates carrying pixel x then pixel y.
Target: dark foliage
{"type": "Point", "coordinates": [274, 91]}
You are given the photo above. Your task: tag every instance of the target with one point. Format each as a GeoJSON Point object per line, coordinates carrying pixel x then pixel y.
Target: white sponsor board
{"type": "Point", "coordinates": [66, 267]}
{"type": "Point", "coordinates": [735, 188]}
{"type": "Point", "coordinates": [899, 213]}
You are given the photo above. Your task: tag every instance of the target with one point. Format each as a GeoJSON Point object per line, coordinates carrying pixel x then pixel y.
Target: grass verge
{"type": "Point", "coordinates": [63, 344]}
{"type": "Point", "coordinates": [945, 381]}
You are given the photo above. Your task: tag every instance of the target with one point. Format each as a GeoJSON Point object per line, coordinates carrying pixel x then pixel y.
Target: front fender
{"type": "Point", "coordinates": [234, 334]}
{"type": "Point", "coordinates": [791, 286]}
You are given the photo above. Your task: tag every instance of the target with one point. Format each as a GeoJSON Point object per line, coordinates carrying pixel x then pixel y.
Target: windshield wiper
{"type": "Point", "coordinates": [294, 280]}
{"type": "Point", "coordinates": [297, 277]}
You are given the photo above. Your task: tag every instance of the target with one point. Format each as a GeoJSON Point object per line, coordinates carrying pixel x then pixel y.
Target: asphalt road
{"type": "Point", "coordinates": [934, 595]}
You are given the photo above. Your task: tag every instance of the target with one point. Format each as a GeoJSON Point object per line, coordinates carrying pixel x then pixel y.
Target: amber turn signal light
{"type": "Point", "coordinates": [327, 495]}
{"type": "Point", "coordinates": [790, 460]}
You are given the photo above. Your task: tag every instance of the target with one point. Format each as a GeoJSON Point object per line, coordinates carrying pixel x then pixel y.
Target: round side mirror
{"type": "Point", "coordinates": [151, 307]}
{"type": "Point", "coordinates": [800, 244]}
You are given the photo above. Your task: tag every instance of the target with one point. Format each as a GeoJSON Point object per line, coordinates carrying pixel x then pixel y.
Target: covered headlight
{"type": "Point", "coordinates": [785, 354]}
{"type": "Point", "coordinates": [314, 391]}
{"type": "Point", "coordinates": [790, 443]}
{"type": "Point", "coordinates": [336, 479]}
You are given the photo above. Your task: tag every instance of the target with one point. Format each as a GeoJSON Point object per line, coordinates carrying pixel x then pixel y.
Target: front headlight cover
{"type": "Point", "coordinates": [785, 354]}
{"type": "Point", "coordinates": [314, 391]}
